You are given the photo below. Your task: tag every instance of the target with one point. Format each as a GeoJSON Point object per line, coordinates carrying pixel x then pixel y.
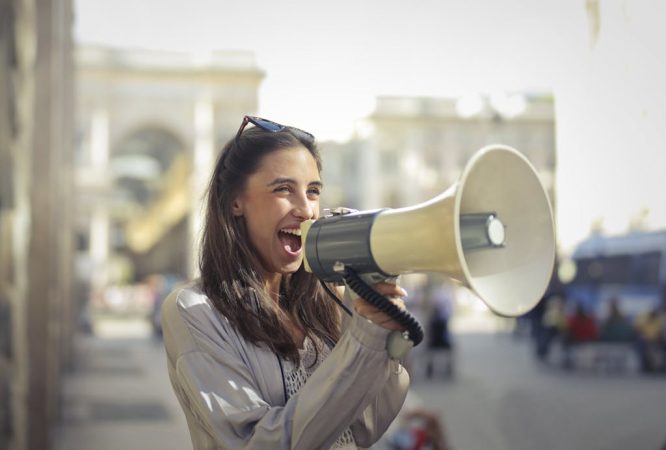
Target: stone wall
{"type": "Point", "coordinates": [36, 313]}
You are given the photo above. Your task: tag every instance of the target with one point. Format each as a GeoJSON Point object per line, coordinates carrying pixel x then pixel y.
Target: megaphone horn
{"type": "Point", "coordinates": [492, 231]}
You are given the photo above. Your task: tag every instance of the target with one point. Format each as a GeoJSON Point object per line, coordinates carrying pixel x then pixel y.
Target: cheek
{"type": "Point", "coordinates": [259, 237]}
{"type": "Point", "coordinates": [315, 208]}
{"type": "Point", "coordinates": [261, 220]}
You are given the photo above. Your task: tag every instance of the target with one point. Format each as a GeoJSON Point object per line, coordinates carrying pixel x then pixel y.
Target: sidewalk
{"type": "Point", "coordinates": [119, 396]}
{"type": "Point", "coordinates": [499, 398]}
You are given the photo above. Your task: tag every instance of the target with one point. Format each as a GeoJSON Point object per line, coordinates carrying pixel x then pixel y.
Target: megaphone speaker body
{"type": "Point", "coordinates": [497, 182]}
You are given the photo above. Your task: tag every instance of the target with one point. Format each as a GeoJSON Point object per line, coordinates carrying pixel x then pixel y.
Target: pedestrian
{"type": "Point", "coordinates": [553, 324]}
{"type": "Point", "coordinates": [259, 356]}
{"type": "Point", "coordinates": [581, 327]}
{"type": "Point", "coordinates": [650, 328]}
{"type": "Point", "coordinates": [616, 327]}
{"type": "Point", "coordinates": [439, 342]}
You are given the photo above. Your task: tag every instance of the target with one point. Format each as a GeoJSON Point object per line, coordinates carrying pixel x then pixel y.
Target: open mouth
{"type": "Point", "coordinates": [290, 238]}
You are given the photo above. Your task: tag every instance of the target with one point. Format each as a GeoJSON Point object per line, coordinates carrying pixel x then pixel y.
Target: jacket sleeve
{"type": "Point", "coordinates": [380, 413]}
{"type": "Point", "coordinates": [356, 383]}
{"type": "Point", "coordinates": [382, 410]}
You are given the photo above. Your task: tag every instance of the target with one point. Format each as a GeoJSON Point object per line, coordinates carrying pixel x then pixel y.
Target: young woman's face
{"type": "Point", "coordinates": [281, 194]}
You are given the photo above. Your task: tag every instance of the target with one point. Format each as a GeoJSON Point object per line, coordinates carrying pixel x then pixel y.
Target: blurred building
{"type": "Point", "coordinates": [104, 159]}
{"type": "Point", "coordinates": [37, 311]}
{"type": "Point", "coordinates": [414, 148]}
{"type": "Point", "coordinates": [149, 126]}
{"type": "Point", "coordinates": [418, 146]}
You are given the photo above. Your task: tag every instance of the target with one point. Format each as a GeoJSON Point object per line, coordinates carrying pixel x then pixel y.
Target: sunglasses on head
{"type": "Point", "coordinates": [274, 127]}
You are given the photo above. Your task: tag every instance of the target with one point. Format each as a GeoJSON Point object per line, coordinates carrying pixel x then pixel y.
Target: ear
{"type": "Point", "coordinates": [237, 208]}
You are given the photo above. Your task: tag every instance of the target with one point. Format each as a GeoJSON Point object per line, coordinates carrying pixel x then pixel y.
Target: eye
{"type": "Point", "coordinates": [283, 188]}
{"type": "Point", "coordinates": [314, 192]}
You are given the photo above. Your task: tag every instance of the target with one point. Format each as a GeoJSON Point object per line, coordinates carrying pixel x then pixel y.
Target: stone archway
{"type": "Point", "coordinates": [150, 170]}
{"type": "Point", "coordinates": [139, 162]}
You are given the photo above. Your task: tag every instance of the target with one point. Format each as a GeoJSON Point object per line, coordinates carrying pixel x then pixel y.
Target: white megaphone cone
{"type": "Point", "coordinates": [492, 231]}
{"type": "Point", "coordinates": [500, 187]}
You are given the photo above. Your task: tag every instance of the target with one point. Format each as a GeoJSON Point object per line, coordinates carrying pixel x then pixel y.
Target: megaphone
{"type": "Point", "coordinates": [492, 231]}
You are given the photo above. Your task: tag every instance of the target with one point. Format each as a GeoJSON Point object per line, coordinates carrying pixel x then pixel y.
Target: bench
{"type": "Point", "coordinates": [603, 356]}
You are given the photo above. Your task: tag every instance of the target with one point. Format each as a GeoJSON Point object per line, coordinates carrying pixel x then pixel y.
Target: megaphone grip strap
{"type": "Point", "coordinates": [385, 305]}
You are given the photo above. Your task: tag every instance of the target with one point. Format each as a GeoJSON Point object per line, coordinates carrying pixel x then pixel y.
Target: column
{"type": "Point", "coordinates": [202, 167]}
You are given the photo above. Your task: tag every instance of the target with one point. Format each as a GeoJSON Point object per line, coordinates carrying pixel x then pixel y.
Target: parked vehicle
{"type": "Point", "coordinates": [630, 268]}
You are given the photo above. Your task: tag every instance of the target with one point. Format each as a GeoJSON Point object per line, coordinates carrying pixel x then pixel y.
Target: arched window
{"type": "Point", "coordinates": [138, 163]}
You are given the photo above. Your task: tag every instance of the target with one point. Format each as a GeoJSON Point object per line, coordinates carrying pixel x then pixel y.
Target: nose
{"type": "Point", "coordinates": [304, 208]}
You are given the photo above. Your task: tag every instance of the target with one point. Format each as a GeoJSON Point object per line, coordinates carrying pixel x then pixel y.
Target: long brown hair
{"type": "Point", "coordinates": [230, 269]}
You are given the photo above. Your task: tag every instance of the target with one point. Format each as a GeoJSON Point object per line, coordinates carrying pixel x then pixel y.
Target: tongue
{"type": "Point", "coordinates": [290, 242]}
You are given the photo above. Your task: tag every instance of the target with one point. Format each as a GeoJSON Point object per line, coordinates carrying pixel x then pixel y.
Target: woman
{"type": "Point", "coordinates": [258, 355]}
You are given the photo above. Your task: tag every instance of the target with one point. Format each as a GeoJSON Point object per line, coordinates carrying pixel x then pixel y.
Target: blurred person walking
{"type": "Point", "coordinates": [650, 339]}
{"type": "Point", "coordinates": [439, 341]}
{"type": "Point", "coordinates": [553, 324]}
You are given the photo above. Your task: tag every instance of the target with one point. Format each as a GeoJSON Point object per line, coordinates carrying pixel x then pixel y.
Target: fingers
{"type": "Point", "coordinates": [365, 307]}
{"type": "Point", "coordinates": [390, 290]}
{"type": "Point", "coordinates": [376, 316]}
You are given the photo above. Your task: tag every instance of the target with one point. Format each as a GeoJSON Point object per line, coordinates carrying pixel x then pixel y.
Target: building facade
{"type": "Point", "coordinates": [149, 127]}
{"type": "Point", "coordinates": [105, 155]}
{"type": "Point", "coordinates": [419, 146]}
{"type": "Point", "coordinates": [37, 314]}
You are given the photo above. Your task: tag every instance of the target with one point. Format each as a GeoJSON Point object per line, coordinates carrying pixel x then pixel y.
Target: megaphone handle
{"type": "Point", "coordinates": [402, 316]}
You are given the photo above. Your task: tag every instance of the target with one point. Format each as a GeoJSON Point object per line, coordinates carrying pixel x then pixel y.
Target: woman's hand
{"type": "Point", "coordinates": [394, 293]}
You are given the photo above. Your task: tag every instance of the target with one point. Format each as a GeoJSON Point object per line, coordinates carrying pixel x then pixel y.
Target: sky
{"type": "Point", "coordinates": [326, 63]}
{"type": "Point", "coordinates": [334, 58]}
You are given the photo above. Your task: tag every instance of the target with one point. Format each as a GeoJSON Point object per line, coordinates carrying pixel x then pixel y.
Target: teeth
{"type": "Point", "coordinates": [294, 231]}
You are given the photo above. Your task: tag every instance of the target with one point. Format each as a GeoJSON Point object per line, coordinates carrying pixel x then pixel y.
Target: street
{"type": "Point", "coordinates": [502, 399]}
{"type": "Point", "coordinates": [499, 398]}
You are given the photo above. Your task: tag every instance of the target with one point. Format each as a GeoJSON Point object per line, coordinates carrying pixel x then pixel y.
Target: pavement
{"type": "Point", "coordinates": [498, 397]}
{"type": "Point", "coordinates": [119, 397]}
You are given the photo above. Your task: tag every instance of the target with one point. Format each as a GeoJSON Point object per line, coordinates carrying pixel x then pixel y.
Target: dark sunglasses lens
{"type": "Point", "coordinates": [274, 127]}
{"type": "Point", "coordinates": [266, 124]}
{"type": "Point", "coordinates": [301, 134]}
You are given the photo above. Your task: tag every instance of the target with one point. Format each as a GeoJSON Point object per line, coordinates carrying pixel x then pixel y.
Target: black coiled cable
{"type": "Point", "coordinates": [402, 316]}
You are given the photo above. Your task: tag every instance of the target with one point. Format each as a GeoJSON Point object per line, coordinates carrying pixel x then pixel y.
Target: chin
{"type": "Point", "coordinates": [291, 267]}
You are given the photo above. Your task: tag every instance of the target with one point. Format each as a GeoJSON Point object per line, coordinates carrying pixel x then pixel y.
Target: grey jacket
{"type": "Point", "coordinates": [232, 391]}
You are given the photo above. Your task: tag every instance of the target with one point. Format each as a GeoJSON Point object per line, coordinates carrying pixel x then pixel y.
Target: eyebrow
{"type": "Point", "coordinates": [281, 180]}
